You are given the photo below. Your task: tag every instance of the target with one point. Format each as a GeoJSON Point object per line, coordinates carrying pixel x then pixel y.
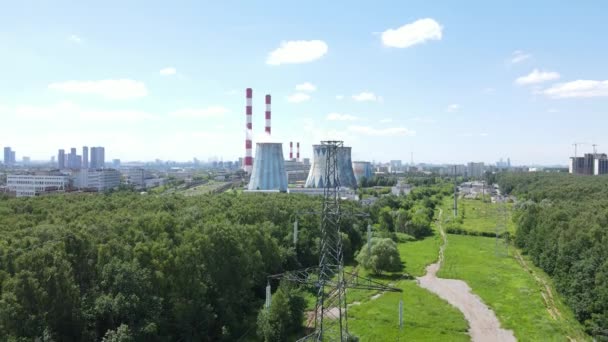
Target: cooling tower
{"type": "Point", "coordinates": [268, 168]}
{"type": "Point", "coordinates": [345, 174]}
{"type": "Point", "coordinates": [362, 169]}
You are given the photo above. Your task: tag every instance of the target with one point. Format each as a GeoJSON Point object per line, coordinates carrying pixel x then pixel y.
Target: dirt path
{"type": "Point", "coordinates": [483, 324]}
{"type": "Point", "coordinates": [545, 289]}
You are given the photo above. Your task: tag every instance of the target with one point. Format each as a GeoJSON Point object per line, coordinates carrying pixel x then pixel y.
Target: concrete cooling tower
{"type": "Point", "coordinates": [345, 174]}
{"type": "Point", "coordinates": [268, 171]}
{"type": "Point", "coordinates": [362, 169]}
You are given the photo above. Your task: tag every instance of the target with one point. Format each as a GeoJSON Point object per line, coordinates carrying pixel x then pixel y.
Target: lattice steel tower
{"type": "Point", "coordinates": [330, 309]}
{"type": "Point", "coordinates": [329, 278]}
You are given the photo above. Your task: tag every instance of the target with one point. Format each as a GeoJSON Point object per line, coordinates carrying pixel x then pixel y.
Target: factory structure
{"type": "Point", "coordinates": [269, 171]}
{"type": "Point", "coordinates": [345, 174]}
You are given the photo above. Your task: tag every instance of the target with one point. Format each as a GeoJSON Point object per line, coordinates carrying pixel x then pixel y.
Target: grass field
{"type": "Point", "coordinates": [511, 291]}
{"type": "Point", "coordinates": [480, 216]}
{"type": "Point", "coordinates": [203, 189]}
{"type": "Point", "coordinates": [426, 317]}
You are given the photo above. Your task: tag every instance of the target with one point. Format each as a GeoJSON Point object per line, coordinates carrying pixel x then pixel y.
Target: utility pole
{"type": "Point", "coordinates": [455, 194]}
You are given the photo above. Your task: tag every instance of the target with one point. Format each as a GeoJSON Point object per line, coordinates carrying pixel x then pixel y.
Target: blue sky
{"type": "Point", "coordinates": [452, 82]}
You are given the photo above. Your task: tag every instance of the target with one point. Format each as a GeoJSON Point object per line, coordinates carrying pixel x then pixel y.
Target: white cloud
{"type": "Point", "coordinates": [200, 113]}
{"type": "Point", "coordinates": [537, 76]}
{"type": "Point", "coordinates": [110, 89]}
{"type": "Point", "coordinates": [578, 88]}
{"type": "Point", "coordinates": [489, 90]}
{"type": "Point", "coordinates": [386, 120]}
{"type": "Point", "coordinates": [552, 110]}
{"type": "Point", "coordinates": [414, 33]}
{"type": "Point", "coordinates": [339, 97]}
{"type": "Point", "coordinates": [168, 71]}
{"type": "Point", "coordinates": [298, 97]}
{"type": "Point", "coordinates": [519, 56]}
{"type": "Point", "coordinates": [385, 132]}
{"type": "Point", "coordinates": [306, 86]}
{"type": "Point", "coordinates": [483, 134]}
{"type": "Point", "coordinates": [365, 96]}
{"type": "Point", "coordinates": [297, 51]}
{"type": "Point", "coordinates": [454, 107]}
{"type": "Point", "coordinates": [341, 117]}
{"type": "Point", "coordinates": [75, 39]}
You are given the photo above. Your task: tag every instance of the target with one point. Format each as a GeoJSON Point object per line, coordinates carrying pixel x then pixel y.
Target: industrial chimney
{"type": "Point", "coordinates": [249, 132]}
{"type": "Point", "coordinates": [298, 153]}
{"type": "Point", "coordinates": [267, 129]}
{"type": "Point", "coordinates": [291, 150]}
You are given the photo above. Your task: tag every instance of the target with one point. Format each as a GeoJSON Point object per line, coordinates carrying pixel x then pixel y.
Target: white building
{"type": "Point", "coordinates": [32, 185]}
{"type": "Point", "coordinates": [97, 180]}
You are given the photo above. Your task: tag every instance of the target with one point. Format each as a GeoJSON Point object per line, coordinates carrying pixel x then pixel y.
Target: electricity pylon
{"type": "Point", "coordinates": [329, 277]}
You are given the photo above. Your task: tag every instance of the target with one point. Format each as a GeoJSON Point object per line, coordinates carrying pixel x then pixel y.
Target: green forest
{"type": "Point", "coordinates": [562, 224]}
{"type": "Point", "coordinates": [129, 267]}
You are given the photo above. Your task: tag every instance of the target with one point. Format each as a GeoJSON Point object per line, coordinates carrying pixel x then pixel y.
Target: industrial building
{"type": "Point", "coordinates": [362, 169]}
{"type": "Point", "coordinates": [589, 164]}
{"type": "Point", "coordinates": [268, 171]}
{"type": "Point", "coordinates": [345, 174]}
{"type": "Point", "coordinates": [96, 179]}
{"type": "Point", "coordinates": [29, 185]}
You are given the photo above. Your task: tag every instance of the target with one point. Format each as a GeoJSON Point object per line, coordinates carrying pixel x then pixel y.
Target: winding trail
{"type": "Point", "coordinates": [483, 324]}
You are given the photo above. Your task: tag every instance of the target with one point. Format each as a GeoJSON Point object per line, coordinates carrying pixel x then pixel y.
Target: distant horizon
{"type": "Point", "coordinates": [450, 82]}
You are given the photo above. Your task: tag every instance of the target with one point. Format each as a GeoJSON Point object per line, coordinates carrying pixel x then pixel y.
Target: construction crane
{"type": "Point", "coordinates": [576, 144]}
{"type": "Point", "coordinates": [595, 148]}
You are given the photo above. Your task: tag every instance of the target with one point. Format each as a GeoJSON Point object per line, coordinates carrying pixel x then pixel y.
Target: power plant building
{"type": "Point", "coordinates": [345, 174]}
{"type": "Point", "coordinates": [268, 172]}
{"type": "Point", "coordinates": [362, 169]}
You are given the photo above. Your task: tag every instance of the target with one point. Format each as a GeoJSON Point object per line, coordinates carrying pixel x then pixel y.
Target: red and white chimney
{"type": "Point", "coordinates": [249, 132]}
{"type": "Point", "coordinates": [290, 150]}
{"type": "Point", "coordinates": [267, 130]}
{"type": "Point", "coordinates": [298, 153]}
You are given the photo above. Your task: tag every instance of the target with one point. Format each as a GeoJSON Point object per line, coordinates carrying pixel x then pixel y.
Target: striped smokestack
{"type": "Point", "coordinates": [290, 150]}
{"type": "Point", "coordinates": [298, 151]}
{"type": "Point", "coordinates": [248, 143]}
{"type": "Point", "coordinates": [267, 114]}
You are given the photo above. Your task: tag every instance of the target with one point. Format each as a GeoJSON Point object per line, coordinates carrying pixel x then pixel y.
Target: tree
{"type": "Point", "coordinates": [284, 317]}
{"type": "Point", "coordinates": [384, 256]}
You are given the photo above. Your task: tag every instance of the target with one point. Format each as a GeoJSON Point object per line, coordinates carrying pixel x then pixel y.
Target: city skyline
{"type": "Point", "coordinates": [452, 83]}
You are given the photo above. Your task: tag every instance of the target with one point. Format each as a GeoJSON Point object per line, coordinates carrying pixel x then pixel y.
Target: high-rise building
{"type": "Point", "coordinates": [589, 164]}
{"type": "Point", "coordinates": [74, 160]}
{"type": "Point", "coordinates": [98, 158]}
{"type": "Point", "coordinates": [8, 156]}
{"type": "Point", "coordinates": [475, 170]}
{"type": "Point", "coordinates": [85, 157]}
{"type": "Point", "coordinates": [61, 159]}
